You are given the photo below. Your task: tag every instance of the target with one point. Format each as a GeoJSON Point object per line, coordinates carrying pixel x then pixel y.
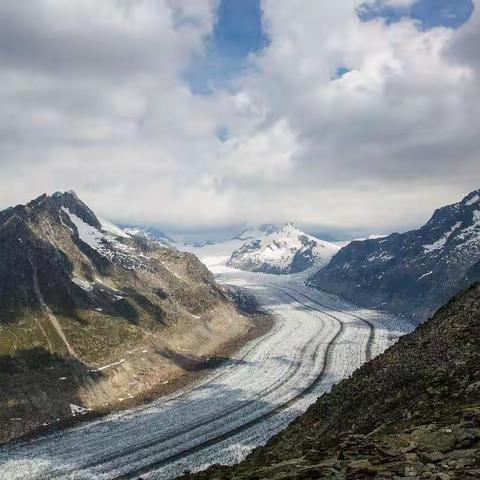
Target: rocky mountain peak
{"type": "Point", "coordinates": [70, 201]}
{"type": "Point", "coordinates": [472, 198]}
{"type": "Point", "coordinates": [82, 293]}
{"type": "Point", "coordinates": [463, 212]}
{"type": "Point", "coordinates": [254, 233]}
{"type": "Point", "coordinates": [281, 250]}
{"type": "Point", "coordinates": [290, 227]}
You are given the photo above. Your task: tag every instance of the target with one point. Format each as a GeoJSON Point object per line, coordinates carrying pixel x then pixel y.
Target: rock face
{"type": "Point", "coordinates": [414, 272]}
{"type": "Point", "coordinates": [281, 250]}
{"type": "Point", "coordinates": [412, 412]}
{"type": "Point", "coordinates": [84, 302]}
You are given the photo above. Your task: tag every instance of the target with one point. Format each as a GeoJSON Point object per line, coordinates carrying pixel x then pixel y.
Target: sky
{"type": "Point", "coordinates": [348, 118]}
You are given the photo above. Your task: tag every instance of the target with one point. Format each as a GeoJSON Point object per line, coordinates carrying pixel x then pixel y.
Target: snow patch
{"type": "Point", "coordinates": [113, 229]}
{"type": "Point", "coordinates": [440, 243]}
{"type": "Point", "coordinates": [373, 236]}
{"type": "Point", "coordinates": [425, 275]}
{"type": "Point", "coordinates": [83, 284]}
{"type": "Point", "coordinates": [108, 243]}
{"type": "Point", "coordinates": [111, 365]}
{"type": "Point", "coordinates": [476, 216]}
{"type": "Point", "coordinates": [87, 234]}
{"type": "Point", "coordinates": [77, 410]}
{"type": "Point", "coordinates": [380, 257]}
{"type": "Point", "coordinates": [473, 200]}
{"type": "Point", "coordinates": [131, 231]}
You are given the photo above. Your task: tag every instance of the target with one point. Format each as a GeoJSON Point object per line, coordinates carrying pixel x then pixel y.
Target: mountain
{"type": "Point", "coordinates": [281, 250]}
{"type": "Point", "coordinates": [414, 272]}
{"type": "Point", "coordinates": [412, 412]}
{"type": "Point", "coordinates": [92, 316]}
{"type": "Point", "coordinates": [150, 233]}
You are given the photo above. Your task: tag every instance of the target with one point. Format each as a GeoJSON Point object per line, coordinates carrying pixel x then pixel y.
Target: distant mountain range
{"type": "Point", "coordinates": [411, 413]}
{"type": "Point", "coordinates": [280, 250]}
{"type": "Point", "coordinates": [90, 313]}
{"type": "Point", "coordinates": [414, 272]}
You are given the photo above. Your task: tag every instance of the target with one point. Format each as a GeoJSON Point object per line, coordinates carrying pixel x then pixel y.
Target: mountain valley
{"type": "Point", "coordinates": [237, 240]}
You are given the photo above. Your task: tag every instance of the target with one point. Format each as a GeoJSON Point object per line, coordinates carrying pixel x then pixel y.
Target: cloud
{"type": "Point", "coordinates": [391, 3]}
{"type": "Point", "coordinates": [265, 155]}
{"type": "Point", "coordinates": [94, 98]}
{"type": "Point", "coordinates": [400, 123]}
{"type": "Point", "coordinates": [464, 47]}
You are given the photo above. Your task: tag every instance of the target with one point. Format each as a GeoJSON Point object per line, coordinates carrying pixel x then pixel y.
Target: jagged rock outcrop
{"type": "Point", "coordinates": [412, 412]}
{"type": "Point", "coordinates": [414, 272]}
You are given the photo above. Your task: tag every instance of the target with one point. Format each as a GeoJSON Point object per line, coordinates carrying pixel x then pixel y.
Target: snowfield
{"type": "Point", "coordinates": [317, 340]}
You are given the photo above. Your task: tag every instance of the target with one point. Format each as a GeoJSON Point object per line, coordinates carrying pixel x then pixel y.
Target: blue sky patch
{"type": "Point", "coordinates": [223, 133]}
{"type": "Point", "coordinates": [237, 33]}
{"type": "Point", "coordinates": [341, 71]}
{"type": "Point", "coordinates": [430, 13]}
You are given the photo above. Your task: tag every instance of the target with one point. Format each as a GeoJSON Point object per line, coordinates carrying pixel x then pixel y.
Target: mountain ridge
{"type": "Point", "coordinates": [414, 272]}
{"type": "Point", "coordinates": [82, 300]}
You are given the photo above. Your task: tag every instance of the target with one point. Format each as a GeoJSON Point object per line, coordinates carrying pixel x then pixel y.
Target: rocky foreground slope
{"type": "Point", "coordinates": [413, 412]}
{"type": "Point", "coordinates": [92, 317]}
{"type": "Point", "coordinates": [280, 250]}
{"type": "Point", "coordinates": [414, 272]}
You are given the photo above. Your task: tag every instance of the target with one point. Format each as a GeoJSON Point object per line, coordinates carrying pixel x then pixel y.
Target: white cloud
{"type": "Point", "coordinates": [93, 99]}
{"type": "Point", "coordinates": [465, 45]}
{"type": "Point", "coordinates": [392, 3]}
{"type": "Point", "coordinates": [267, 154]}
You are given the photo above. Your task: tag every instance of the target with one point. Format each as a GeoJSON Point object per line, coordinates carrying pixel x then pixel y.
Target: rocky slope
{"type": "Point", "coordinates": [414, 272]}
{"type": "Point", "coordinates": [413, 412]}
{"type": "Point", "coordinates": [281, 250]}
{"type": "Point", "coordinates": [92, 316]}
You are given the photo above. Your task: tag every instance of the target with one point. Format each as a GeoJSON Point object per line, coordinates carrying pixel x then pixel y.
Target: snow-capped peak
{"type": "Point", "coordinates": [286, 249]}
